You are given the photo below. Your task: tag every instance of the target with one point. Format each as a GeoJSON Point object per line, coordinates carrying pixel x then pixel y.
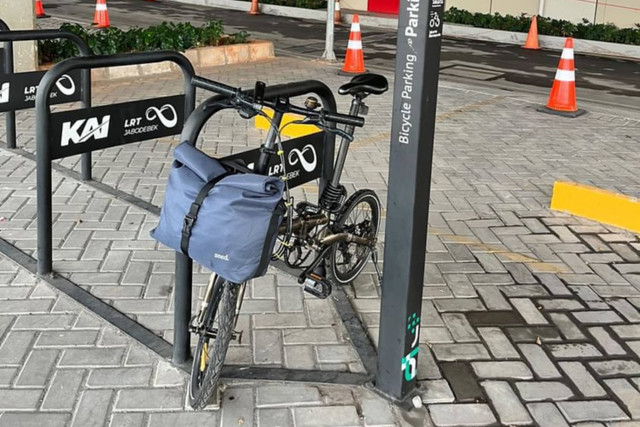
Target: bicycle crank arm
{"type": "Point", "coordinates": [316, 262]}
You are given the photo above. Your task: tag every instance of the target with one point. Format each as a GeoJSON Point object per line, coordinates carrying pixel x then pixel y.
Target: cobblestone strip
{"type": "Point", "coordinates": [61, 366]}
{"type": "Point", "coordinates": [573, 350]}
{"type": "Point", "coordinates": [104, 245]}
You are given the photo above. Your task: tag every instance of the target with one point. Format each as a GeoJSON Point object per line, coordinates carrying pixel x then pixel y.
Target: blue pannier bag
{"type": "Point", "coordinates": [228, 222]}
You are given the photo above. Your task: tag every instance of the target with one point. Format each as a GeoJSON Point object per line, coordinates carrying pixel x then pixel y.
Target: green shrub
{"type": "Point", "coordinates": [546, 26]}
{"type": "Point", "coordinates": [166, 36]}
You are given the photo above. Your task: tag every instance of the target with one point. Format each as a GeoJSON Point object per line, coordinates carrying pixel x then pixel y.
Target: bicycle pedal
{"type": "Point", "coordinates": [317, 286]}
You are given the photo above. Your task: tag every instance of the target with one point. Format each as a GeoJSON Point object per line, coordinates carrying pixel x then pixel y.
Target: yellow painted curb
{"type": "Point", "coordinates": [292, 131]}
{"type": "Point", "coordinates": [596, 204]}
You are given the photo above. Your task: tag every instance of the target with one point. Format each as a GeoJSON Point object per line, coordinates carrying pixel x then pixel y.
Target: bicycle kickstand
{"type": "Point", "coordinates": [374, 258]}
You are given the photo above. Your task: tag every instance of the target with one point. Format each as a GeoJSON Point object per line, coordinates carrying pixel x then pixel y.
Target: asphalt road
{"type": "Point", "coordinates": [599, 79]}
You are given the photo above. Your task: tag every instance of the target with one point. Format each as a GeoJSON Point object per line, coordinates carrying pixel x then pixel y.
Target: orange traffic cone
{"type": "Point", "coordinates": [354, 61]}
{"type": "Point", "coordinates": [102, 14]}
{"type": "Point", "coordinates": [562, 100]}
{"type": "Point", "coordinates": [337, 15]}
{"type": "Point", "coordinates": [40, 10]}
{"type": "Point", "coordinates": [532, 38]}
{"type": "Point", "coordinates": [255, 8]}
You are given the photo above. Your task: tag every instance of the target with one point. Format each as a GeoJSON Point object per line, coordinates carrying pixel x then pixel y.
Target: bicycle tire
{"type": "Point", "coordinates": [366, 196]}
{"type": "Point", "coordinates": [203, 384]}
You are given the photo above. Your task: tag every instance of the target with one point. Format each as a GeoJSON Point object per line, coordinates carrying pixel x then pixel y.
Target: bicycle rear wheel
{"type": "Point", "coordinates": [213, 342]}
{"type": "Point", "coordinates": [360, 216]}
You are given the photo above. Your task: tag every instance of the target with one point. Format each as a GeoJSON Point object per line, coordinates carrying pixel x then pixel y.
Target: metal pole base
{"type": "Point", "coordinates": [410, 402]}
{"type": "Point", "coordinates": [329, 56]}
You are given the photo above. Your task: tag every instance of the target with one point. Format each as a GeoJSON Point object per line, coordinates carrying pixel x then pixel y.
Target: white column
{"type": "Point", "coordinates": [19, 15]}
{"type": "Point", "coordinates": [541, 8]}
{"type": "Point", "coordinates": [329, 54]}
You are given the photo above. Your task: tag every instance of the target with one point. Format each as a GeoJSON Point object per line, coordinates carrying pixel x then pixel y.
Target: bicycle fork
{"type": "Point", "coordinates": [243, 287]}
{"type": "Point", "coordinates": [206, 300]}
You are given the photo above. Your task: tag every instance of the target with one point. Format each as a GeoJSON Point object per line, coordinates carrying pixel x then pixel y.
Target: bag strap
{"type": "Point", "coordinates": [192, 216]}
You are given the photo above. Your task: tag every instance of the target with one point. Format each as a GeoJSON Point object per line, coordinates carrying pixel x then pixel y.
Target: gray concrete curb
{"type": "Point", "coordinates": [450, 30]}
{"type": "Point", "coordinates": [201, 57]}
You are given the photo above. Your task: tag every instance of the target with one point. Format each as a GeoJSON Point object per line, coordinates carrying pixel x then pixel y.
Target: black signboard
{"type": "Point", "coordinates": [82, 131]}
{"type": "Point", "coordinates": [303, 157]}
{"type": "Point", "coordinates": [18, 91]}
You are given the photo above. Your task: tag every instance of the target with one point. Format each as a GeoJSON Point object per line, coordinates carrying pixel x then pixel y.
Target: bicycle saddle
{"type": "Point", "coordinates": [369, 84]}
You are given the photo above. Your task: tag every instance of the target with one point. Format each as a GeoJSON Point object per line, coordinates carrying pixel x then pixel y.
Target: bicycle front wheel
{"type": "Point", "coordinates": [213, 342]}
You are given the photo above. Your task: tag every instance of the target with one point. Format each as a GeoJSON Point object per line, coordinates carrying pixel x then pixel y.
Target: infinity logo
{"type": "Point", "coordinates": [307, 166]}
{"type": "Point", "coordinates": [161, 114]}
{"type": "Point", "coordinates": [68, 89]}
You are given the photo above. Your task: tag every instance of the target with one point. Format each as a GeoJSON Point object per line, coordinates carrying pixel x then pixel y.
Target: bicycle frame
{"type": "Point", "coordinates": [338, 167]}
{"type": "Point", "coordinates": [330, 202]}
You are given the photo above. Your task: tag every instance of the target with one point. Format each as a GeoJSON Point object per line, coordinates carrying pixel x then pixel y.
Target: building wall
{"type": "Point", "coordinates": [19, 15]}
{"type": "Point", "coordinates": [354, 4]}
{"type": "Point", "coordinates": [482, 6]}
{"type": "Point", "coordinates": [571, 10]}
{"type": "Point", "coordinates": [511, 7]}
{"type": "Point", "coordinates": [623, 13]}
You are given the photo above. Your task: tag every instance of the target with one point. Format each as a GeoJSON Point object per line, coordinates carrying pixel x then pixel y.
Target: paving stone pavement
{"type": "Point", "coordinates": [62, 366]}
{"type": "Point", "coordinates": [530, 317]}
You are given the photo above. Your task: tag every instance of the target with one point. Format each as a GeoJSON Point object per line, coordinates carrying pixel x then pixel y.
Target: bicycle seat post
{"type": "Point", "coordinates": [356, 104]}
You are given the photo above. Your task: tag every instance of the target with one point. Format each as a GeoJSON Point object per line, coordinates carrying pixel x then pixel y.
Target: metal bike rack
{"type": "Point", "coordinates": [192, 129]}
{"type": "Point", "coordinates": [99, 132]}
{"type": "Point", "coordinates": [8, 37]}
{"type": "Point", "coordinates": [7, 68]}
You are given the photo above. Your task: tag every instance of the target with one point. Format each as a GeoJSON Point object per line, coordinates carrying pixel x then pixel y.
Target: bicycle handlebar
{"type": "Point", "coordinates": [244, 100]}
{"type": "Point", "coordinates": [213, 86]}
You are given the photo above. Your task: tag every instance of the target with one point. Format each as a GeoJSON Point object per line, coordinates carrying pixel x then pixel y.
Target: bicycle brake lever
{"type": "Point", "coordinates": [245, 113]}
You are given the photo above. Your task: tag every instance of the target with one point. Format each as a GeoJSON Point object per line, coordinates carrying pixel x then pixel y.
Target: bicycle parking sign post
{"type": "Point", "coordinates": [412, 134]}
{"type": "Point", "coordinates": [18, 90]}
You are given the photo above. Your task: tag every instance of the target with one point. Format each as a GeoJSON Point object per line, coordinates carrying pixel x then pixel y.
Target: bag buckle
{"type": "Point", "coordinates": [189, 222]}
